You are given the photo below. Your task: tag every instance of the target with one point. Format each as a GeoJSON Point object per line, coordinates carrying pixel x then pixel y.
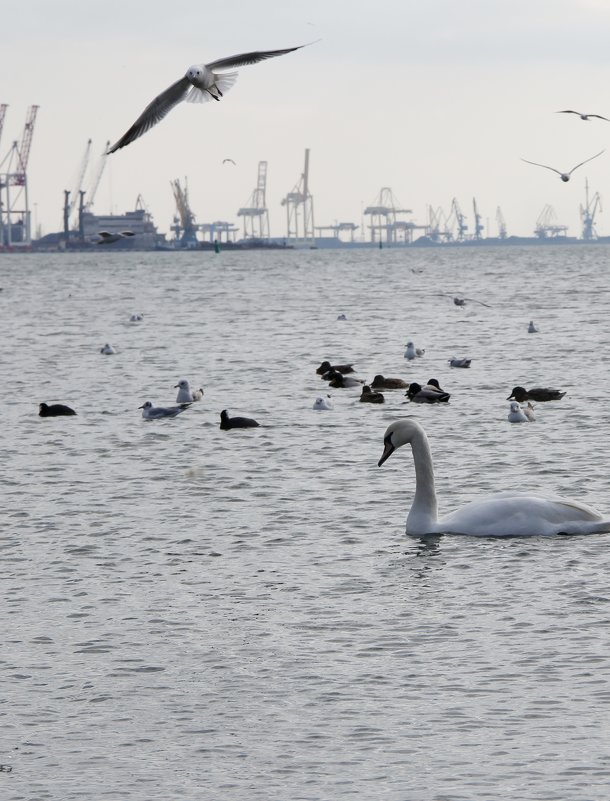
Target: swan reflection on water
{"type": "Point", "coordinates": [506, 514]}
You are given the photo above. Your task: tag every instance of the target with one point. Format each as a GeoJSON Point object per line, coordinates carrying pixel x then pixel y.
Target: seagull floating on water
{"type": "Point", "coordinates": [583, 116]}
{"type": "Point", "coordinates": [150, 412]}
{"type": "Point", "coordinates": [186, 394]}
{"type": "Point", "coordinates": [516, 414]}
{"type": "Point", "coordinates": [323, 404]}
{"type": "Point", "coordinates": [201, 83]}
{"type": "Point", "coordinates": [531, 329]}
{"type": "Point", "coordinates": [136, 318]}
{"type": "Point", "coordinates": [459, 362]}
{"type": "Point", "coordinates": [412, 352]}
{"type": "Point", "coordinates": [107, 349]}
{"type": "Point", "coordinates": [565, 176]}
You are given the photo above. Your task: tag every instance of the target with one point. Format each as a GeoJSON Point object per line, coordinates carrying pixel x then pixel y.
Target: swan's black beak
{"type": "Point", "coordinates": [388, 450]}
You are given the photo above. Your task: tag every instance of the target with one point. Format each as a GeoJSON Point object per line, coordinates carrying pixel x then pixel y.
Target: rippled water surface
{"type": "Point", "coordinates": [198, 614]}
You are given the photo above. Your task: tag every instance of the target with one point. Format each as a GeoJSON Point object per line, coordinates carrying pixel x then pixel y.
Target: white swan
{"type": "Point", "coordinates": [503, 515]}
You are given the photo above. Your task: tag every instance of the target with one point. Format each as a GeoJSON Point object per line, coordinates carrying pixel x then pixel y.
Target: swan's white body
{"type": "Point", "coordinates": [186, 394]}
{"type": "Point", "coordinates": [503, 515]}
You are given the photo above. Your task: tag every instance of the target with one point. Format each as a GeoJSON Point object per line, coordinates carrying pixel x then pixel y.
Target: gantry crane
{"type": "Point", "coordinates": [15, 221]}
{"type": "Point", "coordinates": [184, 226]}
{"type": "Point", "coordinates": [546, 224]}
{"type": "Point", "coordinates": [501, 223]}
{"type": "Point", "coordinates": [299, 208]}
{"type": "Point", "coordinates": [478, 225]}
{"type": "Point", "coordinates": [588, 212]}
{"type": "Point", "coordinates": [256, 214]}
{"type": "Point", "coordinates": [460, 220]}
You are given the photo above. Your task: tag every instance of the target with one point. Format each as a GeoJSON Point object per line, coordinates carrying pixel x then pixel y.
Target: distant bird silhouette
{"type": "Point", "coordinates": [106, 238]}
{"type": "Point", "coordinates": [381, 382]}
{"type": "Point", "coordinates": [136, 318]}
{"type": "Point", "coordinates": [326, 367]}
{"type": "Point", "coordinates": [540, 394]}
{"type": "Point", "coordinates": [54, 410]}
{"type": "Point", "coordinates": [107, 349]}
{"type": "Point", "coordinates": [565, 176]}
{"type": "Point", "coordinates": [228, 161]}
{"type": "Point", "coordinates": [428, 394]}
{"type": "Point", "coordinates": [200, 83]}
{"type": "Point", "coordinates": [150, 412]}
{"type": "Point", "coordinates": [227, 422]}
{"type": "Point", "coordinates": [532, 329]}
{"type": "Point", "coordinates": [583, 116]}
{"type": "Point", "coordinates": [459, 362]}
{"type": "Point", "coordinates": [370, 396]}
{"type": "Point", "coordinates": [462, 302]}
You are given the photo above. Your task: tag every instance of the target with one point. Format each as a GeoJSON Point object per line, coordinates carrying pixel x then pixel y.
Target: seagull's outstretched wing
{"type": "Point", "coordinates": [154, 113]}
{"type": "Point", "coordinates": [546, 167]}
{"type": "Point", "coordinates": [474, 300]}
{"type": "Point", "coordinates": [568, 111]}
{"type": "Point", "coordinates": [585, 161]}
{"type": "Point", "coordinates": [243, 59]}
{"type": "Point", "coordinates": [598, 117]}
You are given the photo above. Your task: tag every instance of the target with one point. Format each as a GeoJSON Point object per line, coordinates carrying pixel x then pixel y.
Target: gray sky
{"type": "Point", "coordinates": [435, 99]}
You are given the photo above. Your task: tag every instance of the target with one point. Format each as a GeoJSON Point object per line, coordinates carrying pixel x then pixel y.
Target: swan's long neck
{"type": "Point", "coordinates": [423, 514]}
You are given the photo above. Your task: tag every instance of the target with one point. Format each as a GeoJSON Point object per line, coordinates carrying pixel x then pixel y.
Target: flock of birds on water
{"type": "Point", "coordinates": [503, 514]}
{"type": "Point", "coordinates": [185, 397]}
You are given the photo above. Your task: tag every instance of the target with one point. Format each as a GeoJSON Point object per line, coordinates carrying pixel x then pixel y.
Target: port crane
{"type": "Point", "coordinates": [547, 226]}
{"type": "Point", "coordinates": [460, 220]}
{"type": "Point", "coordinates": [588, 212]}
{"type": "Point", "coordinates": [15, 222]}
{"type": "Point", "coordinates": [255, 214]}
{"type": "Point", "coordinates": [184, 226]}
{"type": "Point", "coordinates": [299, 208]}
{"type": "Point", "coordinates": [501, 223]}
{"type": "Point", "coordinates": [478, 225]}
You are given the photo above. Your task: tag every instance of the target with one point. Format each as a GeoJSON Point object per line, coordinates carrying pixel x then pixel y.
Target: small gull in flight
{"type": "Point", "coordinates": [565, 176]}
{"type": "Point", "coordinates": [200, 84]}
{"type": "Point", "coordinates": [583, 116]}
{"type": "Point", "coordinates": [106, 238]}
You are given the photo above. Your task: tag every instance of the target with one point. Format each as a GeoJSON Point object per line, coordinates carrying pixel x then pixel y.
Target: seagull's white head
{"type": "Point", "coordinates": [194, 73]}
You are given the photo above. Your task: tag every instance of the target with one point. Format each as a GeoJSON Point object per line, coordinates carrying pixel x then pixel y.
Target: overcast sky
{"type": "Point", "coordinates": [436, 99]}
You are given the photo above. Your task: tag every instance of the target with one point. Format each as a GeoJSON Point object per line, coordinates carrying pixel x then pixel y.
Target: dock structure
{"type": "Point", "coordinates": [385, 223]}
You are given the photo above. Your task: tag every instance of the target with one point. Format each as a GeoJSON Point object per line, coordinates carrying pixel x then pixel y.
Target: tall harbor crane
{"type": "Point", "coordinates": [256, 214]}
{"type": "Point", "coordinates": [547, 226]}
{"type": "Point", "coordinates": [184, 224]}
{"type": "Point", "coordinates": [501, 223]}
{"type": "Point", "coordinates": [588, 212]}
{"type": "Point", "coordinates": [15, 219]}
{"type": "Point", "coordinates": [299, 208]}
{"type": "Point", "coordinates": [478, 225]}
{"type": "Point", "coordinates": [74, 196]}
{"type": "Point", "coordinates": [460, 220]}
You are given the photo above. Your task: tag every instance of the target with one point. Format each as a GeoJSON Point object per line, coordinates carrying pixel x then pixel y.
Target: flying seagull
{"type": "Point", "coordinates": [200, 84]}
{"type": "Point", "coordinates": [565, 176]}
{"type": "Point", "coordinates": [228, 161]}
{"type": "Point", "coordinates": [106, 238]}
{"type": "Point", "coordinates": [583, 116]}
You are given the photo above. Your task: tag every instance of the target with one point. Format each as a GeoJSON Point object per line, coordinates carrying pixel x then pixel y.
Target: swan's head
{"type": "Point", "coordinates": [194, 73]}
{"type": "Point", "coordinates": [397, 434]}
